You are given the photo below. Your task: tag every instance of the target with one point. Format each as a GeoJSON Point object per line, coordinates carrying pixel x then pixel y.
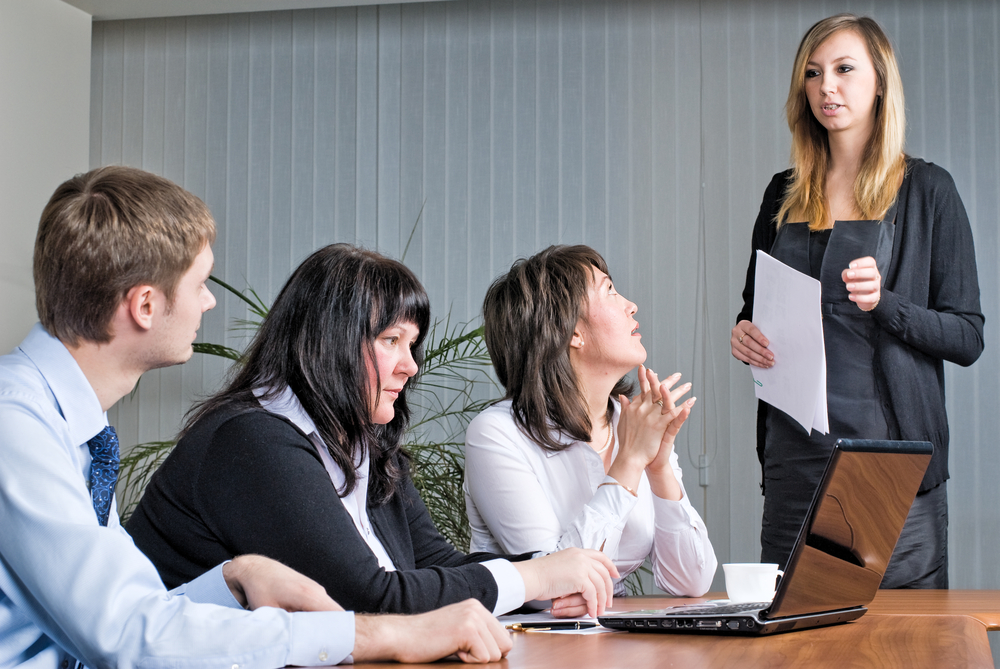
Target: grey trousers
{"type": "Point", "coordinates": [921, 556]}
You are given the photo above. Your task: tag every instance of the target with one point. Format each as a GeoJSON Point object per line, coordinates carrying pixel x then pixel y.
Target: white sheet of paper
{"type": "Point", "coordinates": [786, 309]}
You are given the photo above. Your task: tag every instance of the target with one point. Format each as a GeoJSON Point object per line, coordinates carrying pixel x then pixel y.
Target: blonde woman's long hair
{"type": "Point", "coordinates": [882, 163]}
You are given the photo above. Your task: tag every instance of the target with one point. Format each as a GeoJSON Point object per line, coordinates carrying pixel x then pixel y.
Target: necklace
{"type": "Point", "coordinates": [608, 442]}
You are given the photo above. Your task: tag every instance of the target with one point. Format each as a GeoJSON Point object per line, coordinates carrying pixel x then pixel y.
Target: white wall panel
{"type": "Point", "coordinates": [44, 105]}
{"type": "Point", "coordinates": [647, 129]}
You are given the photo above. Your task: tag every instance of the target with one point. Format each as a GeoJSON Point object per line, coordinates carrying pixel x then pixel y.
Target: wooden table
{"type": "Point", "coordinates": [983, 605]}
{"type": "Point", "coordinates": [904, 628]}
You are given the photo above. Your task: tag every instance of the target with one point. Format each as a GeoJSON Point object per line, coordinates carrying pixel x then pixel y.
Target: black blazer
{"type": "Point", "coordinates": [243, 480]}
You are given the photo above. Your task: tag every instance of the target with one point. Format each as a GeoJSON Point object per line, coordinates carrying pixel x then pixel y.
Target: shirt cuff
{"type": "Point", "coordinates": [614, 501]}
{"type": "Point", "coordinates": [670, 514]}
{"type": "Point", "coordinates": [209, 588]}
{"type": "Point", "coordinates": [321, 638]}
{"type": "Point", "coordinates": [510, 585]}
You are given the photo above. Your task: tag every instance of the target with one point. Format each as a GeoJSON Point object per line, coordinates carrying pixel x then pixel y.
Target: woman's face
{"type": "Point", "coordinates": [395, 364]}
{"type": "Point", "coordinates": [841, 85]}
{"type": "Point", "coordinates": [608, 330]}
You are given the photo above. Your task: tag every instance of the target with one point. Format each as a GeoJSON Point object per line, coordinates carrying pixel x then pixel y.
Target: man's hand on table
{"type": "Point", "coordinates": [465, 629]}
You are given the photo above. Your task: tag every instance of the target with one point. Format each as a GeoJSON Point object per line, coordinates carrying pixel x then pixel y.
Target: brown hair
{"type": "Point", "coordinates": [529, 317]}
{"type": "Point", "coordinates": [883, 162]}
{"type": "Point", "coordinates": [105, 232]}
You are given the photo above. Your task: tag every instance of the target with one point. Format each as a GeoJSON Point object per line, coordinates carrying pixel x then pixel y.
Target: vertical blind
{"type": "Point", "coordinates": [488, 130]}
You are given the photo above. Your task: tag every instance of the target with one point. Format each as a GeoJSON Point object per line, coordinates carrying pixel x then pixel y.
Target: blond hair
{"type": "Point", "coordinates": [103, 233]}
{"type": "Point", "coordinates": [882, 163]}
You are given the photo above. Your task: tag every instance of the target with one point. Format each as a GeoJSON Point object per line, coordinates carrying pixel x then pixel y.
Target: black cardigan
{"type": "Point", "coordinates": [928, 312]}
{"type": "Point", "coordinates": [247, 481]}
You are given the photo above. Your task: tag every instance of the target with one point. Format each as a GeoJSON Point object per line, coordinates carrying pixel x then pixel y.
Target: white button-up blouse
{"type": "Point", "coordinates": [521, 497]}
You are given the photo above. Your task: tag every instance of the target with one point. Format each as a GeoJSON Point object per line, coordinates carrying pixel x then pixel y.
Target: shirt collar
{"type": "Point", "coordinates": [287, 405]}
{"type": "Point", "coordinates": [75, 397]}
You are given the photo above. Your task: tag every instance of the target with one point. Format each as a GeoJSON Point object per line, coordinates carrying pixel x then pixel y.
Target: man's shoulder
{"type": "Point", "coordinates": [21, 382]}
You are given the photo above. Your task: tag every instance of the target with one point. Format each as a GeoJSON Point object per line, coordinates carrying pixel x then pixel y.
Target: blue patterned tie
{"type": "Point", "coordinates": [103, 471]}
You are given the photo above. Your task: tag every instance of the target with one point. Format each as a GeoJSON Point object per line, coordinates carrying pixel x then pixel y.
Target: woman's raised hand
{"type": "Point", "coordinates": [750, 345]}
{"type": "Point", "coordinates": [660, 472]}
{"type": "Point", "coordinates": [864, 283]}
{"type": "Point", "coordinates": [648, 426]}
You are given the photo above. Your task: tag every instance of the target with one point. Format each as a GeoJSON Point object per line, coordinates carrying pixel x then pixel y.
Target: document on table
{"type": "Point", "coordinates": [786, 309]}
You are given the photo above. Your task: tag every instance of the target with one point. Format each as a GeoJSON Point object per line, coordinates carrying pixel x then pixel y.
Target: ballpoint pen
{"type": "Point", "coordinates": [546, 626]}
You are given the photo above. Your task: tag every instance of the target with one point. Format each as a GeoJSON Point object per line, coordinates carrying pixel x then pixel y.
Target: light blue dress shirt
{"type": "Point", "coordinates": [71, 589]}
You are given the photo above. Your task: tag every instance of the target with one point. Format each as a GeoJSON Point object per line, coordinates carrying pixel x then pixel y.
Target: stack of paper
{"type": "Point", "coordinates": [786, 309]}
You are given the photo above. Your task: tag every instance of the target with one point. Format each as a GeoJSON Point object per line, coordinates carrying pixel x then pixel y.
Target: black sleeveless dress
{"type": "Point", "coordinates": [794, 461]}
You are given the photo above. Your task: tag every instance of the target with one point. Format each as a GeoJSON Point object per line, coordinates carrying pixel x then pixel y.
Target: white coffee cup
{"type": "Point", "coordinates": [751, 581]}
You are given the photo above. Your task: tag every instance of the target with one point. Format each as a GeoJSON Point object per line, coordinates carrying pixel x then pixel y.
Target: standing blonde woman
{"type": "Point", "coordinates": [889, 239]}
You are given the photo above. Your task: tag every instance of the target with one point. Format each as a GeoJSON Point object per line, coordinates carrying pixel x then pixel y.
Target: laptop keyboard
{"type": "Point", "coordinates": [724, 609]}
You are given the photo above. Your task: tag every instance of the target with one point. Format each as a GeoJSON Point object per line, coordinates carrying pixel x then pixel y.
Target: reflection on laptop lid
{"type": "Point", "coordinates": [840, 555]}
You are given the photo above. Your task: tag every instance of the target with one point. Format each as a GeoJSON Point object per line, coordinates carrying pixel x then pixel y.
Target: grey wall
{"type": "Point", "coordinates": [646, 129]}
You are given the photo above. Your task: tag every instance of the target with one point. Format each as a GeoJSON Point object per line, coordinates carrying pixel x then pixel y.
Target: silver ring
{"type": "Point", "coordinates": [660, 402]}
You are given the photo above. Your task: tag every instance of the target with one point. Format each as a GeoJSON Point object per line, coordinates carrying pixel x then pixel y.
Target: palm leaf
{"type": "Point", "coordinates": [135, 470]}
{"type": "Point", "coordinates": [217, 350]}
{"type": "Point", "coordinates": [444, 398]}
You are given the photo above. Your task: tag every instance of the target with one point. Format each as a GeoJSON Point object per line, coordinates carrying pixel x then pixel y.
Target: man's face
{"type": "Point", "coordinates": [178, 326]}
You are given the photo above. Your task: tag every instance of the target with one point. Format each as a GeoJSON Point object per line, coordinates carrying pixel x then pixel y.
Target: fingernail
{"type": "Point", "coordinates": [691, 401]}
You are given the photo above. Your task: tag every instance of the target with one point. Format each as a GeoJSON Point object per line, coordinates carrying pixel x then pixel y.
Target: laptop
{"type": "Point", "coordinates": [838, 559]}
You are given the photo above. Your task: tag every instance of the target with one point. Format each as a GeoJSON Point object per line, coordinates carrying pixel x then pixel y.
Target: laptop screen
{"type": "Point", "coordinates": [856, 517]}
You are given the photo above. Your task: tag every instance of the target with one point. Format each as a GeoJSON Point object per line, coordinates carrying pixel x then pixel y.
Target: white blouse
{"type": "Point", "coordinates": [521, 497]}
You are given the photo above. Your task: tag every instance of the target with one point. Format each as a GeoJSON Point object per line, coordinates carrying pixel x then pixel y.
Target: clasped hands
{"type": "Point", "coordinates": [864, 286]}
{"type": "Point", "coordinates": [648, 425]}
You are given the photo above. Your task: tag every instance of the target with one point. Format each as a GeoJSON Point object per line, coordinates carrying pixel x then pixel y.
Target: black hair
{"type": "Point", "coordinates": [317, 339]}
